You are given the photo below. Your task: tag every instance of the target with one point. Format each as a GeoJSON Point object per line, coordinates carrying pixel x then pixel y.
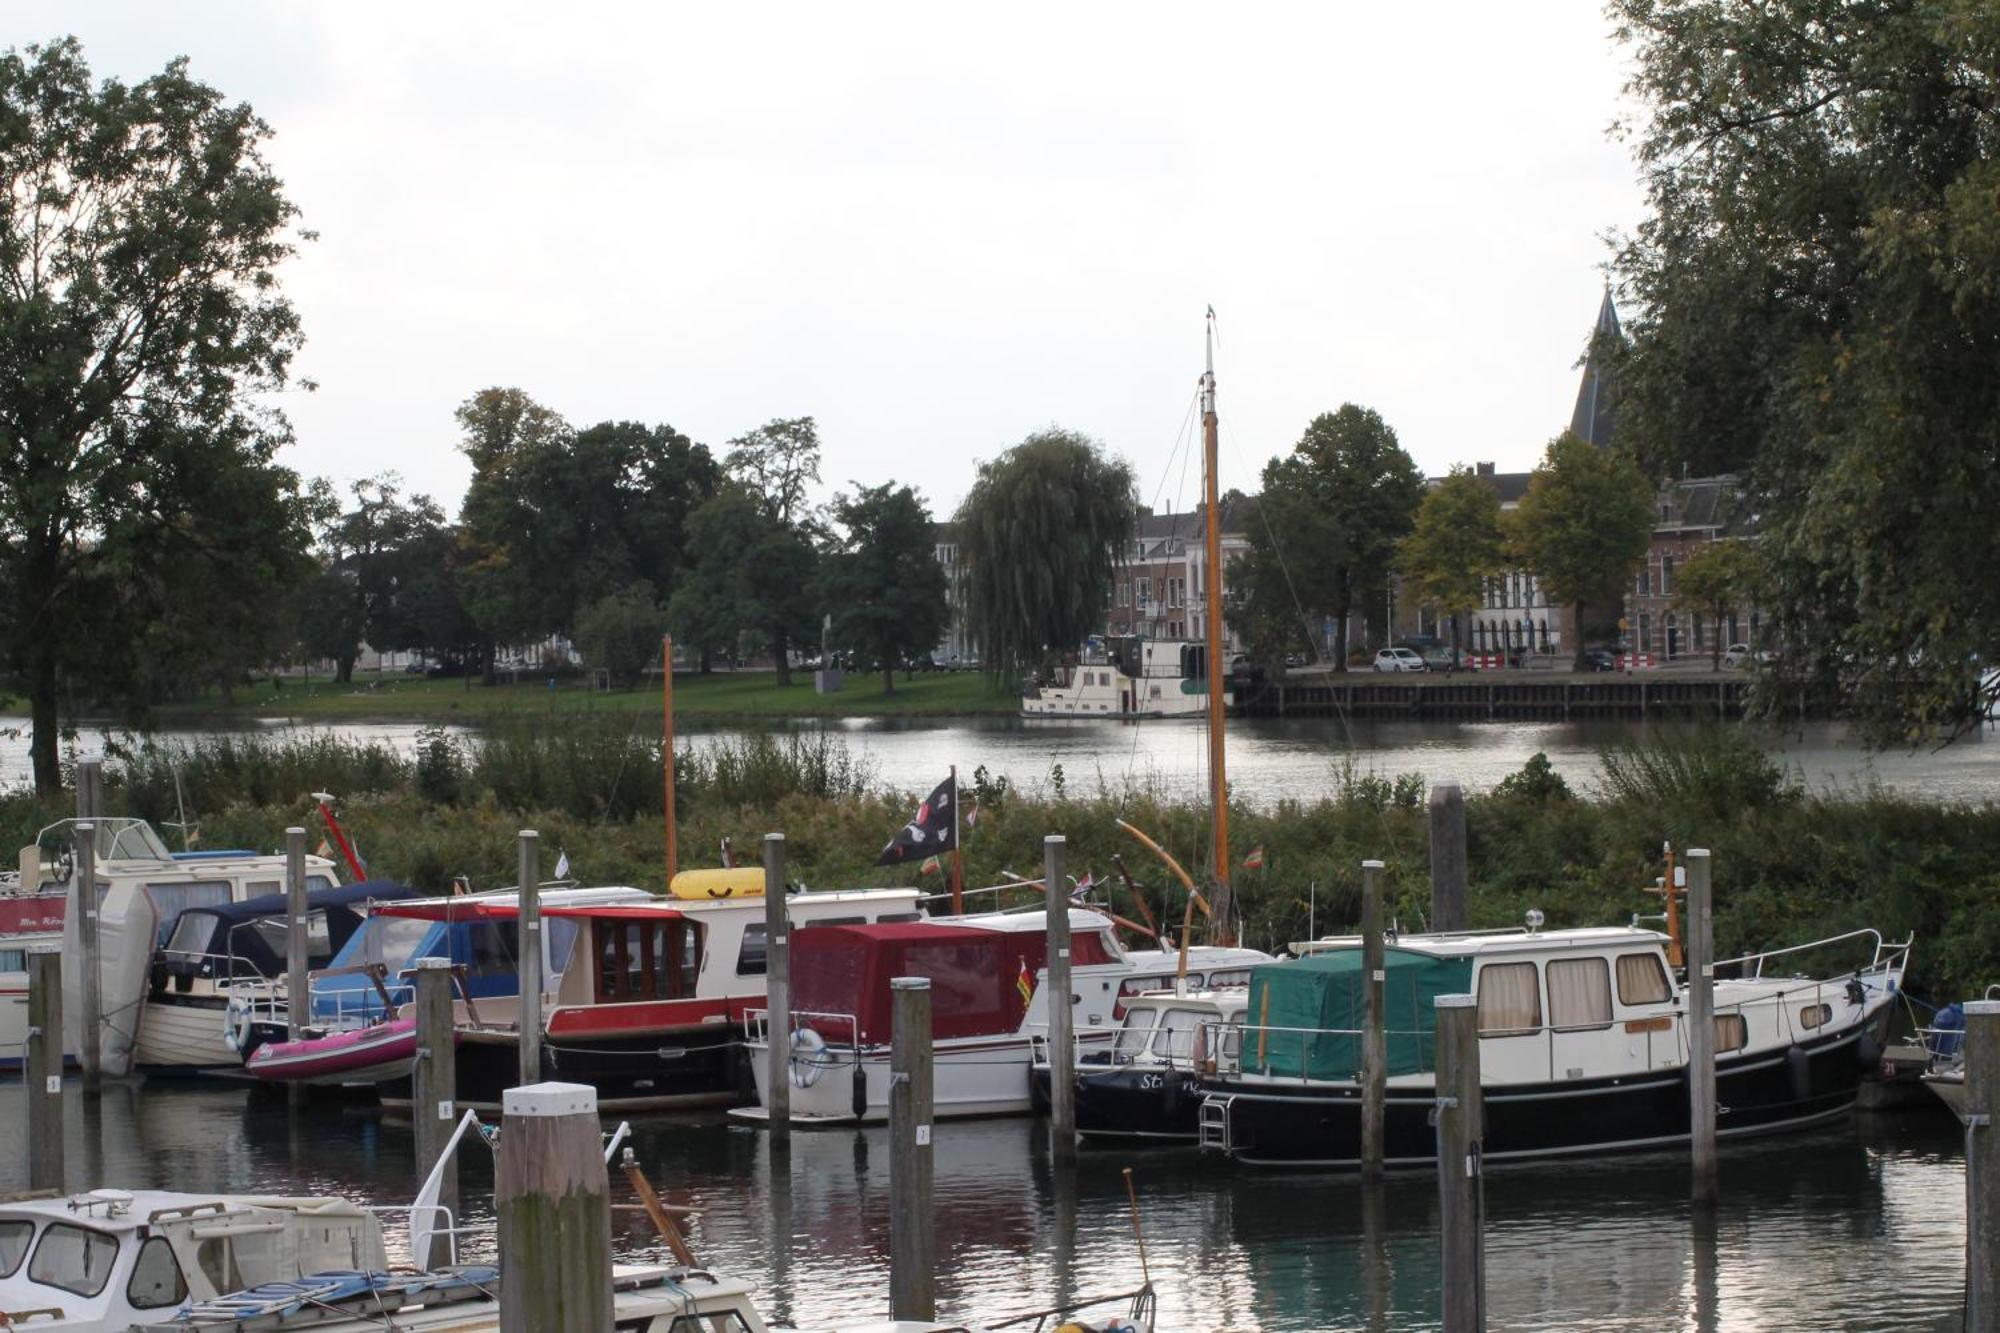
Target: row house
{"type": "Point", "coordinates": [1159, 589]}
{"type": "Point", "coordinates": [1692, 513]}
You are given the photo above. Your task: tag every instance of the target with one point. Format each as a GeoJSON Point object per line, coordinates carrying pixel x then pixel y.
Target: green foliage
{"type": "Point", "coordinates": [1537, 783]}
{"type": "Point", "coordinates": [1584, 525]}
{"type": "Point", "coordinates": [1815, 285]}
{"type": "Point", "coordinates": [1455, 544]}
{"type": "Point", "coordinates": [146, 532]}
{"type": "Point", "coordinates": [1712, 771]}
{"type": "Point", "coordinates": [1039, 533]}
{"type": "Point", "coordinates": [1718, 576]}
{"type": "Point", "coordinates": [882, 579]}
{"type": "Point", "coordinates": [621, 632]}
{"type": "Point", "coordinates": [751, 580]}
{"type": "Point", "coordinates": [373, 561]}
{"type": "Point", "coordinates": [1329, 518]}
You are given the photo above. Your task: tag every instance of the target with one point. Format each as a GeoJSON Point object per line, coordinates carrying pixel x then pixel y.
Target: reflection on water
{"type": "Point", "coordinates": [1860, 1227]}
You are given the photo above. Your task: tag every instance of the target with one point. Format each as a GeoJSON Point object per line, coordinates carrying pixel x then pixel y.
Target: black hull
{"type": "Point", "coordinates": [1320, 1125]}
{"type": "Point", "coordinates": [1131, 1103]}
{"type": "Point", "coordinates": [654, 1071]}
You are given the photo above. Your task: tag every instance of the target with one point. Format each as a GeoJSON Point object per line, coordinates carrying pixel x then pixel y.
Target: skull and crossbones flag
{"type": "Point", "coordinates": [931, 830]}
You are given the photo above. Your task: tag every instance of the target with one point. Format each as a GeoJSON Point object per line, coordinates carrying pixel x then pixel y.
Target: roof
{"type": "Point", "coordinates": [127, 1210]}
{"type": "Point", "coordinates": [1473, 944]}
{"type": "Point", "coordinates": [468, 909]}
{"type": "Point", "coordinates": [275, 904]}
{"type": "Point", "coordinates": [1595, 414]}
{"type": "Point", "coordinates": [1080, 919]}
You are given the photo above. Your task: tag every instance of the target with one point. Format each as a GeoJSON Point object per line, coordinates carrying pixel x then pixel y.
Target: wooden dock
{"type": "Point", "coordinates": [1683, 696]}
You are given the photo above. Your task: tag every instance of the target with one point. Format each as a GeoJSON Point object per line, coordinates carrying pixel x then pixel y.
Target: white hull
{"type": "Point", "coordinates": [973, 1076]}
{"type": "Point", "coordinates": [183, 1037]}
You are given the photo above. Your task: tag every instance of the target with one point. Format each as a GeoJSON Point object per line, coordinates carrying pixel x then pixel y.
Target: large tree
{"type": "Point", "coordinates": [775, 465]}
{"type": "Point", "coordinates": [881, 579]}
{"type": "Point", "coordinates": [1718, 576]}
{"type": "Point", "coordinates": [141, 231]}
{"type": "Point", "coordinates": [366, 555]}
{"type": "Point", "coordinates": [751, 581]}
{"type": "Point", "coordinates": [503, 431]}
{"type": "Point", "coordinates": [1815, 310]}
{"type": "Point", "coordinates": [1455, 545]}
{"type": "Point", "coordinates": [1040, 532]}
{"type": "Point", "coordinates": [1584, 526]}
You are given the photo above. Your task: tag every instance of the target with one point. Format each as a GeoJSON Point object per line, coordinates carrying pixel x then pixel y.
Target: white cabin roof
{"type": "Point", "coordinates": [1583, 939]}
{"type": "Point", "coordinates": [119, 1211]}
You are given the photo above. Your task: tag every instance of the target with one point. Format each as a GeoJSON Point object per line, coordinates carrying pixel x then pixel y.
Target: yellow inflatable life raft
{"type": "Point", "coordinates": [737, 882]}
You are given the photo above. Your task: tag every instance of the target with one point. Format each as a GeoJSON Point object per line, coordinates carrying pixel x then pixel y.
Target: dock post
{"type": "Point", "coordinates": [553, 1197]}
{"type": "Point", "coordinates": [912, 1246]}
{"type": "Point", "coordinates": [297, 1006]}
{"type": "Point", "coordinates": [1062, 1015]}
{"type": "Point", "coordinates": [1447, 820]}
{"type": "Point", "coordinates": [90, 787]}
{"type": "Point", "coordinates": [528, 946]}
{"type": "Point", "coordinates": [43, 1084]}
{"type": "Point", "coordinates": [89, 1046]}
{"type": "Point", "coordinates": [1982, 1163]}
{"type": "Point", "coordinates": [778, 992]}
{"type": "Point", "coordinates": [1374, 1041]}
{"type": "Point", "coordinates": [433, 1088]}
{"type": "Point", "coordinates": [1460, 1131]}
{"type": "Point", "coordinates": [1701, 1024]}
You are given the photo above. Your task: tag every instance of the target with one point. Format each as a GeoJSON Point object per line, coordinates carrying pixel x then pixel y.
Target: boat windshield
{"type": "Point", "coordinates": [1177, 1032]}
{"type": "Point", "coordinates": [76, 1259]}
{"type": "Point", "coordinates": [1137, 1032]}
{"type": "Point", "coordinates": [390, 941]}
{"type": "Point", "coordinates": [14, 1236]}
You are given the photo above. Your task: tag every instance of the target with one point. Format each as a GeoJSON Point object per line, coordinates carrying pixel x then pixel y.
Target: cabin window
{"type": "Point", "coordinates": [1510, 1001]}
{"type": "Point", "coordinates": [726, 1321]}
{"type": "Point", "coordinates": [76, 1259]}
{"type": "Point", "coordinates": [1641, 979]}
{"type": "Point", "coordinates": [491, 949]}
{"type": "Point", "coordinates": [14, 1238]}
{"type": "Point", "coordinates": [1177, 1027]}
{"type": "Point", "coordinates": [646, 960]}
{"type": "Point", "coordinates": [1137, 1032]}
{"type": "Point", "coordinates": [1731, 1033]}
{"type": "Point", "coordinates": [1226, 980]}
{"type": "Point", "coordinates": [13, 960]}
{"type": "Point", "coordinates": [1579, 993]}
{"type": "Point", "coordinates": [319, 941]}
{"type": "Point", "coordinates": [561, 936]}
{"type": "Point", "coordinates": [753, 955]}
{"type": "Point", "coordinates": [1815, 1015]}
{"type": "Point", "coordinates": [156, 1277]}
{"type": "Point", "coordinates": [170, 900]}
{"type": "Point", "coordinates": [835, 921]}
{"type": "Point", "coordinates": [900, 916]}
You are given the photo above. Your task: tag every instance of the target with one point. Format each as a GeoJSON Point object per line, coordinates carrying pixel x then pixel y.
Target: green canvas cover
{"type": "Point", "coordinates": [1327, 992]}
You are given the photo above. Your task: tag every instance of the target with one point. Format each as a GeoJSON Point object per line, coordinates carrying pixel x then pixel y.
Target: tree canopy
{"type": "Point", "coordinates": [881, 580]}
{"type": "Point", "coordinates": [1040, 532]}
{"type": "Point", "coordinates": [1718, 576]}
{"type": "Point", "coordinates": [141, 231]}
{"type": "Point", "coordinates": [1584, 526]}
{"type": "Point", "coordinates": [1454, 546]}
{"type": "Point", "coordinates": [1815, 310]}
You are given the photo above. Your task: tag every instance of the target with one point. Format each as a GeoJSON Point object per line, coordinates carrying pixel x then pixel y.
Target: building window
{"type": "Point", "coordinates": [1666, 576]}
{"type": "Point", "coordinates": [1124, 593]}
{"type": "Point", "coordinates": [1145, 590]}
{"type": "Point", "coordinates": [1645, 581]}
{"type": "Point", "coordinates": [1645, 632]}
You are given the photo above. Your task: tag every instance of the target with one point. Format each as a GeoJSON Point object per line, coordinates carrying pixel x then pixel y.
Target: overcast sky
{"type": "Point", "coordinates": [933, 231]}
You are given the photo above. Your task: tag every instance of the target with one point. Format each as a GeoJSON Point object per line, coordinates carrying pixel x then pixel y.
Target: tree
{"type": "Point", "coordinates": [141, 325]}
{"type": "Point", "coordinates": [620, 632]}
{"type": "Point", "coordinates": [503, 431]}
{"type": "Point", "coordinates": [1040, 531]}
{"type": "Point", "coordinates": [1814, 289]}
{"type": "Point", "coordinates": [751, 580]}
{"type": "Point", "coordinates": [1455, 544]}
{"type": "Point", "coordinates": [1584, 526]}
{"type": "Point", "coordinates": [1331, 514]}
{"type": "Point", "coordinates": [1716, 577]}
{"type": "Point", "coordinates": [774, 464]}
{"type": "Point", "coordinates": [366, 557]}
{"type": "Point", "coordinates": [777, 462]}
{"type": "Point", "coordinates": [882, 579]}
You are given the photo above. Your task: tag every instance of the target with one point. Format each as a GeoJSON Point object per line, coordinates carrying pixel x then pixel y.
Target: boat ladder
{"type": "Point", "coordinates": [1214, 1124]}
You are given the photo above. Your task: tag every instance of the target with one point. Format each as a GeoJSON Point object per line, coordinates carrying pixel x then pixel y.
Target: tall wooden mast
{"type": "Point", "coordinates": [1224, 926]}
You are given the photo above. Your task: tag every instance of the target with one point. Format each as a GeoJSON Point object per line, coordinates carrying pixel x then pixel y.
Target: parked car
{"type": "Point", "coordinates": [1398, 659]}
{"type": "Point", "coordinates": [1599, 659]}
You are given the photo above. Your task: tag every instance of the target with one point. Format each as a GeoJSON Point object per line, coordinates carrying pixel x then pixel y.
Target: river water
{"type": "Point", "coordinates": [1857, 1227]}
{"type": "Point", "coordinates": [1272, 759]}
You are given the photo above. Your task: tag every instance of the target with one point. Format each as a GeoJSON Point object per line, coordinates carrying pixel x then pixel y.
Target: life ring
{"type": "Point", "coordinates": [237, 1026]}
{"type": "Point", "coordinates": [808, 1057]}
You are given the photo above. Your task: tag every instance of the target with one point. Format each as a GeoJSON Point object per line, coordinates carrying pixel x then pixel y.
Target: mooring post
{"type": "Point", "coordinates": [44, 1082]}
{"type": "Point", "coordinates": [90, 787]}
{"type": "Point", "coordinates": [83, 902]}
{"type": "Point", "coordinates": [1460, 1129]}
{"type": "Point", "coordinates": [553, 1195]}
{"type": "Point", "coordinates": [529, 953]}
{"type": "Point", "coordinates": [1062, 1017]}
{"type": "Point", "coordinates": [778, 996]}
{"type": "Point", "coordinates": [912, 1247]}
{"type": "Point", "coordinates": [433, 1090]}
{"type": "Point", "coordinates": [1982, 1164]}
{"type": "Point", "coordinates": [1701, 1024]}
{"type": "Point", "coordinates": [296, 954]}
{"type": "Point", "coordinates": [1374, 1041]}
{"type": "Point", "coordinates": [1447, 819]}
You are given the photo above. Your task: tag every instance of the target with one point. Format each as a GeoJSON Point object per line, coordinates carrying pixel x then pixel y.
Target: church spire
{"type": "Point", "coordinates": [1595, 397]}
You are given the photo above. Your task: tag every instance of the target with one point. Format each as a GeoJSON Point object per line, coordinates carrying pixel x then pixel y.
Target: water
{"type": "Point", "coordinates": [1271, 758]}
{"type": "Point", "coordinates": [1859, 1227]}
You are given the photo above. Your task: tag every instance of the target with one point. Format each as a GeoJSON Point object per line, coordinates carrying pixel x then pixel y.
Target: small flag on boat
{"type": "Point", "coordinates": [931, 829]}
{"type": "Point", "coordinates": [1025, 983]}
{"type": "Point", "coordinates": [1254, 861]}
{"type": "Point", "coordinates": [930, 866]}
{"type": "Point", "coordinates": [1083, 888]}
{"type": "Point", "coordinates": [972, 815]}
{"type": "Point", "coordinates": [325, 848]}
{"type": "Point", "coordinates": [562, 864]}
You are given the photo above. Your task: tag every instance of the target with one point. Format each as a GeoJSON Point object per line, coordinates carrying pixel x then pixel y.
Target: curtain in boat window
{"type": "Point", "coordinates": [1510, 1001]}
{"type": "Point", "coordinates": [1641, 979]}
{"type": "Point", "coordinates": [170, 900]}
{"type": "Point", "coordinates": [1579, 993]}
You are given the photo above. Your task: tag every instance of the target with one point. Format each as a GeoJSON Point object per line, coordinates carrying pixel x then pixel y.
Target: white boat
{"type": "Point", "coordinates": [1124, 677]}
{"type": "Point", "coordinates": [27, 920]}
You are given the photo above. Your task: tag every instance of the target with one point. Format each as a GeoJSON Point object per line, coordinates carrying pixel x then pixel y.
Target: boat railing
{"type": "Point", "coordinates": [1235, 1038]}
{"type": "Point", "coordinates": [442, 1222]}
{"type": "Point", "coordinates": [345, 1008]}
{"type": "Point", "coordinates": [1887, 956]}
{"type": "Point", "coordinates": [757, 1024]}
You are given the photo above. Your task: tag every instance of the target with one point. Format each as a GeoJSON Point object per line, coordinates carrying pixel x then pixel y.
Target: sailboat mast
{"type": "Point", "coordinates": [1224, 929]}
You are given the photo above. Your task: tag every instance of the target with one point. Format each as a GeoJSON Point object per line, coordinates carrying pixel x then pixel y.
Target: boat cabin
{"type": "Point", "coordinates": [224, 942]}
{"type": "Point", "coordinates": [1125, 676]}
{"type": "Point", "coordinates": [1178, 1029]}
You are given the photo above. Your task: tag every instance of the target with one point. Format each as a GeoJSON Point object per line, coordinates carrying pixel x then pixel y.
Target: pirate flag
{"type": "Point", "coordinates": [932, 829]}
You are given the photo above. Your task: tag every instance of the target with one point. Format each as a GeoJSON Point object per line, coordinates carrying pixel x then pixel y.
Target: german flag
{"type": "Point", "coordinates": [1254, 861]}
{"type": "Point", "coordinates": [1025, 983]}
{"type": "Point", "coordinates": [930, 866]}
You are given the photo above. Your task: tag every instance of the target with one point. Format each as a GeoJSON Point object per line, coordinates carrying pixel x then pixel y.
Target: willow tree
{"type": "Point", "coordinates": [1040, 533]}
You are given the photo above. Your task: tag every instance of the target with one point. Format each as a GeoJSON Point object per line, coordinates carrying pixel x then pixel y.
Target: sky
{"type": "Point", "coordinates": [933, 228]}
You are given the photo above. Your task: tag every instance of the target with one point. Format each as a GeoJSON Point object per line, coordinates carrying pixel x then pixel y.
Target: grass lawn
{"type": "Point", "coordinates": [723, 695]}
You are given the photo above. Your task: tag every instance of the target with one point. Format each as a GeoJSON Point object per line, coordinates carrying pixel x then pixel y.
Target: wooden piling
{"type": "Point", "coordinates": [43, 1082]}
{"type": "Point", "coordinates": [553, 1197]}
{"type": "Point", "coordinates": [1982, 1164]}
{"type": "Point", "coordinates": [83, 902]}
{"type": "Point", "coordinates": [1447, 821]}
{"type": "Point", "coordinates": [778, 996]}
{"type": "Point", "coordinates": [1701, 1025]}
{"type": "Point", "coordinates": [90, 787]}
{"type": "Point", "coordinates": [1460, 1131]}
{"type": "Point", "coordinates": [912, 1246]}
{"type": "Point", "coordinates": [1062, 1016]}
{"type": "Point", "coordinates": [433, 1079]}
{"type": "Point", "coordinates": [297, 955]}
{"type": "Point", "coordinates": [1374, 1040]}
{"type": "Point", "coordinates": [528, 915]}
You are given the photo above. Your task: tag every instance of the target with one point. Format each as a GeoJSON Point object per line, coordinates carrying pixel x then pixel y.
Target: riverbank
{"type": "Point", "coordinates": [722, 696]}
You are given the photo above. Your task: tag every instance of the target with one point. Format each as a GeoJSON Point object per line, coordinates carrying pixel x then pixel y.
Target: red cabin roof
{"type": "Point", "coordinates": [974, 975]}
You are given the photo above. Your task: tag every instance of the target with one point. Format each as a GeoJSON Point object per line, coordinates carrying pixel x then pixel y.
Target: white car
{"type": "Point", "coordinates": [1399, 659]}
